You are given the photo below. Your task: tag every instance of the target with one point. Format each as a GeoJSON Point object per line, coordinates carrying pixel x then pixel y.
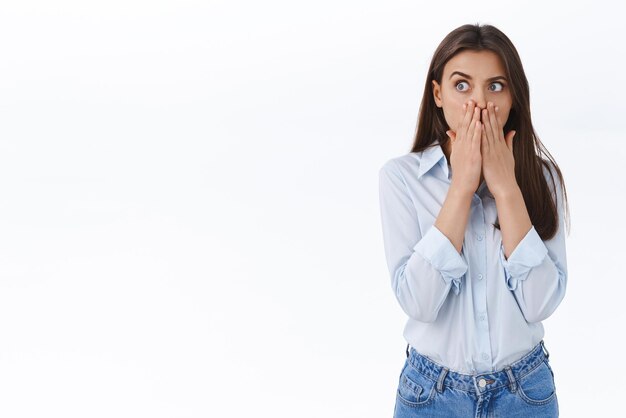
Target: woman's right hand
{"type": "Point", "coordinates": [465, 157]}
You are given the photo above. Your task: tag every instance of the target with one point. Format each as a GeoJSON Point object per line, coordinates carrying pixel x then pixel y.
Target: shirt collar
{"type": "Point", "coordinates": [434, 155]}
{"type": "Point", "coordinates": [430, 157]}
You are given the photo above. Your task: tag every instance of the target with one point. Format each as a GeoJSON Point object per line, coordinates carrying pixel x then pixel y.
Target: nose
{"type": "Point", "coordinates": [479, 99]}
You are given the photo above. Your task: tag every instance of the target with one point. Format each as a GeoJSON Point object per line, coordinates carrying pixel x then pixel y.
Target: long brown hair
{"type": "Point", "coordinates": [527, 148]}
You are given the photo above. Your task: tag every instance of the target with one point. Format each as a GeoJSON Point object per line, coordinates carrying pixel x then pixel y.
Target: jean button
{"type": "Point", "coordinates": [482, 383]}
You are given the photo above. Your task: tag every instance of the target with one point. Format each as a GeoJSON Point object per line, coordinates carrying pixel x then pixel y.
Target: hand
{"type": "Point", "coordinates": [465, 156]}
{"type": "Point", "coordinates": [498, 164]}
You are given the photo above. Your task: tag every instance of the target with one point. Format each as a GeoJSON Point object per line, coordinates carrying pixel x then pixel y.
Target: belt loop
{"type": "Point", "coordinates": [512, 382]}
{"type": "Point", "coordinates": [442, 376]}
{"type": "Point", "coordinates": [407, 350]}
{"type": "Point", "coordinates": [545, 350]}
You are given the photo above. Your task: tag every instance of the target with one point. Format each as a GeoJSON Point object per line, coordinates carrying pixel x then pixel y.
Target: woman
{"type": "Point", "coordinates": [473, 226]}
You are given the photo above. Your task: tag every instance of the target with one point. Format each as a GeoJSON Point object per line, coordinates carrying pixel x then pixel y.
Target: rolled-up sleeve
{"type": "Point", "coordinates": [536, 270]}
{"type": "Point", "coordinates": [437, 249]}
{"type": "Point", "coordinates": [422, 268]}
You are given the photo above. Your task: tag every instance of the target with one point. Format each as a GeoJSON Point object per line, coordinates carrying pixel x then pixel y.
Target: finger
{"type": "Point", "coordinates": [461, 123]}
{"type": "Point", "coordinates": [470, 130]}
{"type": "Point", "coordinates": [475, 118]}
{"type": "Point", "coordinates": [495, 128]}
{"type": "Point", "coordinates": [488, 127]}
{"type": "Point", "coordinates": [476, 115]}
{"type": "Point", "coordinates": [477, 133]}
{"type": "Point", "coordinates": [484, 141]}
{"type": "Point", "coordinates": [467, 118]}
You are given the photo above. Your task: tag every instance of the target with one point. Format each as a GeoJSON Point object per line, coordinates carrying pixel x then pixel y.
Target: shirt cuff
{"type": "Point", "coordinates": [437, 249]}
{"type": "Point", "coordinates": [529, 253]}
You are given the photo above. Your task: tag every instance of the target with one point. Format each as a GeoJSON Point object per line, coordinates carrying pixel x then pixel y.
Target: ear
{"type": "Point", "coordinates": [509, 139]}
{"type": "Point", "coordinates": [437, 93]}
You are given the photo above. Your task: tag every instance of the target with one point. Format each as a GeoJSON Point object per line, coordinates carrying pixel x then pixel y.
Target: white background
{"type": "Point", "coordinates": [189, 219]}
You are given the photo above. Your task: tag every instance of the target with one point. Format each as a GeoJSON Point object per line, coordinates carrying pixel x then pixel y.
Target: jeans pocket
{"type": "Point", "coordinates": [414, 388]}
{"type": "Point", "coordinates": [537, 387]}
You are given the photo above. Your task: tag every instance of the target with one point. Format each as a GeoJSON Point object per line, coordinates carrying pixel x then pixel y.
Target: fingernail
{"type": "Point", "coordinates": [496, 108]}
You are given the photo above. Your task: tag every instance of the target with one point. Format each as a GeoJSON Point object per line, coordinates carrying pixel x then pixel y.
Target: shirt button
{"type": "Point", "coordinates": [481, 317]}
{"type": "Point", "coordinates": [480, 277]}
{"type": "Point", "coordinates": [479, 238]}
{"type": "Point", "coordinates": [485, 356]}
{"type": "Point", "coordinates": [482, 383]}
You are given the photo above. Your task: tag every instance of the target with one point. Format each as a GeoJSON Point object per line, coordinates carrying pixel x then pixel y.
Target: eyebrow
{"type": "Point", "coordinates": [467, 76]}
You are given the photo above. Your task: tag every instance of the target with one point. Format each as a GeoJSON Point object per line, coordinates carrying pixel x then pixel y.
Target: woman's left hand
{"type": "Point", "coordinates": [498, 164]}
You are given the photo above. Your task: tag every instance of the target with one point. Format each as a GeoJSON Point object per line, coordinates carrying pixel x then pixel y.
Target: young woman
{"type": "Point", "coordinates": [473, 226]}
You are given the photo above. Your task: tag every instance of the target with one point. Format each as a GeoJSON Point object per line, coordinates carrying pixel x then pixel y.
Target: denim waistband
{"type": "Point", "coordinates": [480, 382]}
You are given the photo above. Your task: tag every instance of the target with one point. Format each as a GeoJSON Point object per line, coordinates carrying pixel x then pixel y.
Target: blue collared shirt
{"type": "Point", "coordinates": [473, 311]}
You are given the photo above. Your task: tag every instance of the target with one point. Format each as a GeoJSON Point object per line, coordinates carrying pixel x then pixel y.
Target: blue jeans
{"type": "Point", "coordinates": [523, 389]}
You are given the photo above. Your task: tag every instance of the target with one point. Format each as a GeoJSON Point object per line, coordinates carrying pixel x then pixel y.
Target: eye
{"type": "Point", "coordinates": [459, 83]}
{"type": "Point", "coordinates": [497, 82]}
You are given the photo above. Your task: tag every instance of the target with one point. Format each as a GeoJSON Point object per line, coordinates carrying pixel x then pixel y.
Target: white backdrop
{"type": "Point", "coordinates": [189, 219]}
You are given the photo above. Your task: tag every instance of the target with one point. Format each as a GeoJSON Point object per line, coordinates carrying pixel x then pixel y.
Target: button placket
{"type": "Point", "coordinates": [479, 287]}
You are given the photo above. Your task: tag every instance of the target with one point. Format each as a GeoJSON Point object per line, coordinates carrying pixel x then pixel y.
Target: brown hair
{"type": "Point", "coordinates": [527, 148]}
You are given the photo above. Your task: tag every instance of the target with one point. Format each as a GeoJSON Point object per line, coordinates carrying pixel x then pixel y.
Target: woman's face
{"type": "Point", "coordinates": [477, 76]}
